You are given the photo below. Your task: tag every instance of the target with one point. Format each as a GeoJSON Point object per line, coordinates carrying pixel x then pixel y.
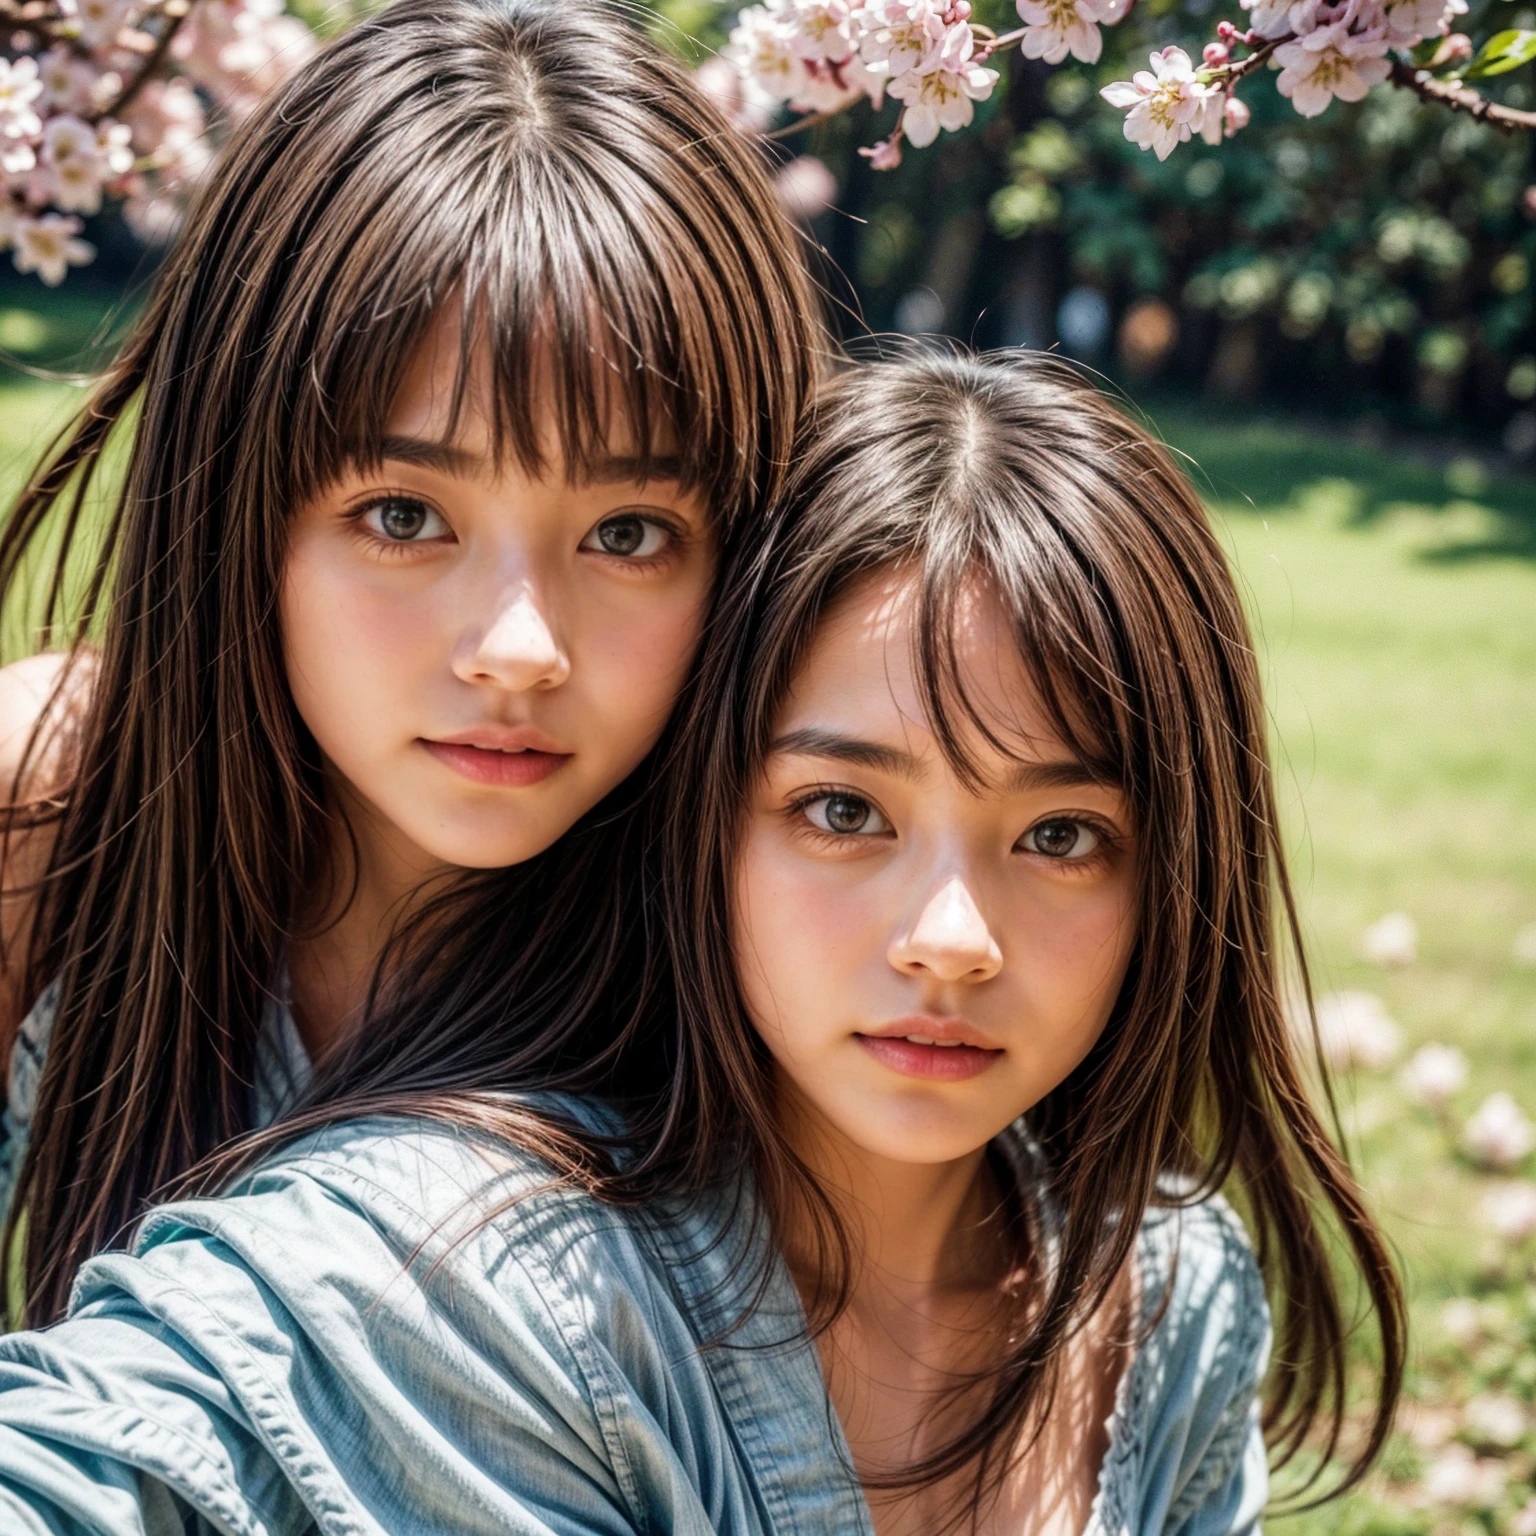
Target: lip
{"type": "Point", "coordinates": [505, 756]}
{"type": "Point", "coordinates": [960, 1051]}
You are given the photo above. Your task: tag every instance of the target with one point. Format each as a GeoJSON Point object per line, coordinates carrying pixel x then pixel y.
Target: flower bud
{"type": "Point", "coordinates": [884, 156]}
{"type": "Point", "coordinates": [1457, 46]}
{"type": "Point", "coordinates": [1217, 54]}
{"type": "Point", "coordinates": [1226, 32]}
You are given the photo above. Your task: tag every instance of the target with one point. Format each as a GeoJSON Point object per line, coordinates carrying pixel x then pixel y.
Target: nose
{"type": "Point", "coordinates": [518, 650]}
{"type": "Point", "coordinates": [950, 941]}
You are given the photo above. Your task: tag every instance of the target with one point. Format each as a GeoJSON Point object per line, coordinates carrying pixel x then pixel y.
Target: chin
{"type": "Point", "coordinates": [918, 1137]}
{"type": "Point", "coordinates": [487, 848]}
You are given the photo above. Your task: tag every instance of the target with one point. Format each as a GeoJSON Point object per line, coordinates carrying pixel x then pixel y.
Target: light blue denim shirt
{"type": "Point", "coordinates": [345, 1344]}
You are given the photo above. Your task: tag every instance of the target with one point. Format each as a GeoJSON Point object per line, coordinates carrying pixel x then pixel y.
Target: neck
{"type": "Point", "coordinates": [917, 1228]}
{"type": "Point", "coordinates": [370, 879]}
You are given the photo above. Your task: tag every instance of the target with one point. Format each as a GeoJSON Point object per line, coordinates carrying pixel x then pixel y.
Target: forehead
{"type": "Point", "coordinates": [861, 674]}
{"type": "Point", "coordinates": [449, 394]}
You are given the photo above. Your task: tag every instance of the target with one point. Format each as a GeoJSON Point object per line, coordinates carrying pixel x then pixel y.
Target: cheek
{"type": "Point", "coordinates": [1069, 952]}
{"type": "Point", "coordinates": [804, 939]}
{"type": "Point", "coordinates": [348, 645]}
{"type": "Point", "coordinates": [638, 649]}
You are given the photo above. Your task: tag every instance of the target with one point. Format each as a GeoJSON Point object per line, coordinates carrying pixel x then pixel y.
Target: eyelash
{"type": "Point", "coordinates": [391, 549]}
{"type": "Point", "coordinates": [675, 537]}
{"type": "Point", "coordinates": [1108, 838]}
{"type": "Point", "coordinates": [410, 548]}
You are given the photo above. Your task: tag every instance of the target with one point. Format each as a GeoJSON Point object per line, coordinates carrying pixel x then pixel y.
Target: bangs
{"type": "Point", "coordinates": [617, 259]}
{"type": "Point", "coordinates": [1074, 675]}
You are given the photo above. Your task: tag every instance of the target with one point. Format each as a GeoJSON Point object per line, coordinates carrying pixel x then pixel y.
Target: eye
{"type": "Point", "coordinates": [844, 815]}
{"type": "Point", "coordinates": [629, 537]}
{"type": "Point", "coordinates": [1061, 838]}
{"type": "Point", "coordinates": [404, 520]}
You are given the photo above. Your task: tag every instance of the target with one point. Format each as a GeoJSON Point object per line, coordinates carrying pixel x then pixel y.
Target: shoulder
{"type": "Point", "coordinates": [1188, 1431]}
{"type": "Point", "coordinates": [1200, 1276]}
{"type": "Point", "coordinates": [407, 1178]}
{"type": "Point", "coordinates": [453, 1218]}
{"type": "Point", "coordinates": [404, 1262]}
{"type": "Point", "coordinates": [27, 688]}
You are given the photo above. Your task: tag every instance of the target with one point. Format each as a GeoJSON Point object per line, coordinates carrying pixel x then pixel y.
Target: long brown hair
{"type": "Point", "coordinates": [1016, 472]}
{"type": "Point", "coordinates": [613, 243]}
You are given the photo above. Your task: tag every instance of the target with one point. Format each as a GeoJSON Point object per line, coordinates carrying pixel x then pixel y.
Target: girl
{"type": "Point", "coordinates": [970, 857]}
{"type": "Point", "coordinates": [486, 343]}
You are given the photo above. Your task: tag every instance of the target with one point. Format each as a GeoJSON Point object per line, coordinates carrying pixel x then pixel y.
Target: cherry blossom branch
{"type": "Point", "coordinates": [170, 24]}
{"type": "Point", "coordinates": [1460, 98]}
{"type": "Point", "coordinates": [1256, 60]}
{"type": "Point", "coordinates": [810, 120]}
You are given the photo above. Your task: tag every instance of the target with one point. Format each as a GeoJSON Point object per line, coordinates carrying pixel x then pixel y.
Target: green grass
{"type": "Point", "coordinates": [1397, 622]}
{"type": "Point", "coordinates": [1395, 602]}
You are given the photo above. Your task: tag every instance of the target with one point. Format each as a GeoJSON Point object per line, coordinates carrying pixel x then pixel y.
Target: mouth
{"type": "Point", "coordinates": [512, 758]}
{"type": "Point", "coordinates": [942, 1050]}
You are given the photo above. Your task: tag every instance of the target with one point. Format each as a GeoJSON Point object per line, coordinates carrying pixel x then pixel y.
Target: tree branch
{"type": "Point", "coordinates": [800, 124]}
{"type": "Point", "coordinates": [169, 26]}
{"type": "Point", "coordinates": [1460, 98]}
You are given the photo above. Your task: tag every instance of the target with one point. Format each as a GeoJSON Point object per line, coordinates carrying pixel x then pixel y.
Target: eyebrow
{"type": "Point", "coordinates": [430, 454]}
{"type": "Point", "coordinates": [450, 460]}
{"type": "Point", "coordinates": [1063, 773]}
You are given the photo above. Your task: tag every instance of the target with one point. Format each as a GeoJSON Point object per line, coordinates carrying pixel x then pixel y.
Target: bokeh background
{"type": "Point", "coordinates": [1334, 321]}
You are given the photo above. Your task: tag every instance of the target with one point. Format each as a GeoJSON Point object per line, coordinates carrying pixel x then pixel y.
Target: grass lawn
{"type": "Point", "coordinates": [1396, 606]}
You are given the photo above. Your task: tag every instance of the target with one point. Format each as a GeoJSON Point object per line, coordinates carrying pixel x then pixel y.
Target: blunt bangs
{"type": "Point", "coordinates": [947, 494]}
{"type": "Point", "coordinates": [614, 250]}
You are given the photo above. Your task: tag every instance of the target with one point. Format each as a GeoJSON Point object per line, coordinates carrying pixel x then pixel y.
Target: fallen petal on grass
{"type": "Point", "coordinates": [1391, 940]}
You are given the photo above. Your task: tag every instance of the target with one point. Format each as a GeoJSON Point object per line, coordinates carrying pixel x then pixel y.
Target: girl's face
{"type": "Point", "coordinates": [482, 655]}
{"type": "Point", "coordinates": [926, 960]}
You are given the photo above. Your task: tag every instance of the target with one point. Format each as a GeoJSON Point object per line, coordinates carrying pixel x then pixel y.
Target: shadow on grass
{"type": "Point", "coordinates": [1463, 509]}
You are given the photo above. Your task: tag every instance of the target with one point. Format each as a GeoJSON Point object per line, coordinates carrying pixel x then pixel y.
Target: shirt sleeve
{"type": "Point", "coordinates": [292, 1372]}
{"type": "Point", "coordinates": [1232, 1500]}
{"type": "Point", "coordinates": [1223, 1484]}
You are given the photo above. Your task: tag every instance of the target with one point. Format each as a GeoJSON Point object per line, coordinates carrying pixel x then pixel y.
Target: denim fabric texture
{"type": "Point", "coordinates": [364, 1336]}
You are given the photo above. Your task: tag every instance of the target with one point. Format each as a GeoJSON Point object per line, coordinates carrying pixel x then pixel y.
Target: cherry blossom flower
{"type": "Point", "coordinates": [823, 30]}
{"type": "Point", "coordinates": [48, 246]}
{"type": "Point", "coordinates": [884, 156]}
{"type": "Point", "coordinates": [1164, 105]}
{"type": "Point", "coordinates": [1353, 1030]}
{"type": "Point", "coordinates": [747, 108]}
{"type": "Point", "coordinates": [1331, 62]}
{"type": "Point", "coordinates": [1391, 940]}
{"type": "Point", "coordinates": [19, 89]}
{"type": "Point", "coordinates": [1269, 18]}
{"type": "Point", "coordinates": [1498, 1135]}
{"type": "Point", "coordinates": [1409, 21]}
{"type": "Point", "coordinates": [805, 186]}
{"type": "Point", "coordinates": [762, 47]}
{"type": "Point", "coordinates": [944, 97]}
{"type": "Point", "coordinates": [67, 80]}
{"type": "Point", "coordinates": [1435, 1074]}
{"type": "Point", "coordinates": [1055, 28]}
{"type": "Point", "coordinates": [903, 37]}
{"type": "Point", "coordinates": [98, 21]}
